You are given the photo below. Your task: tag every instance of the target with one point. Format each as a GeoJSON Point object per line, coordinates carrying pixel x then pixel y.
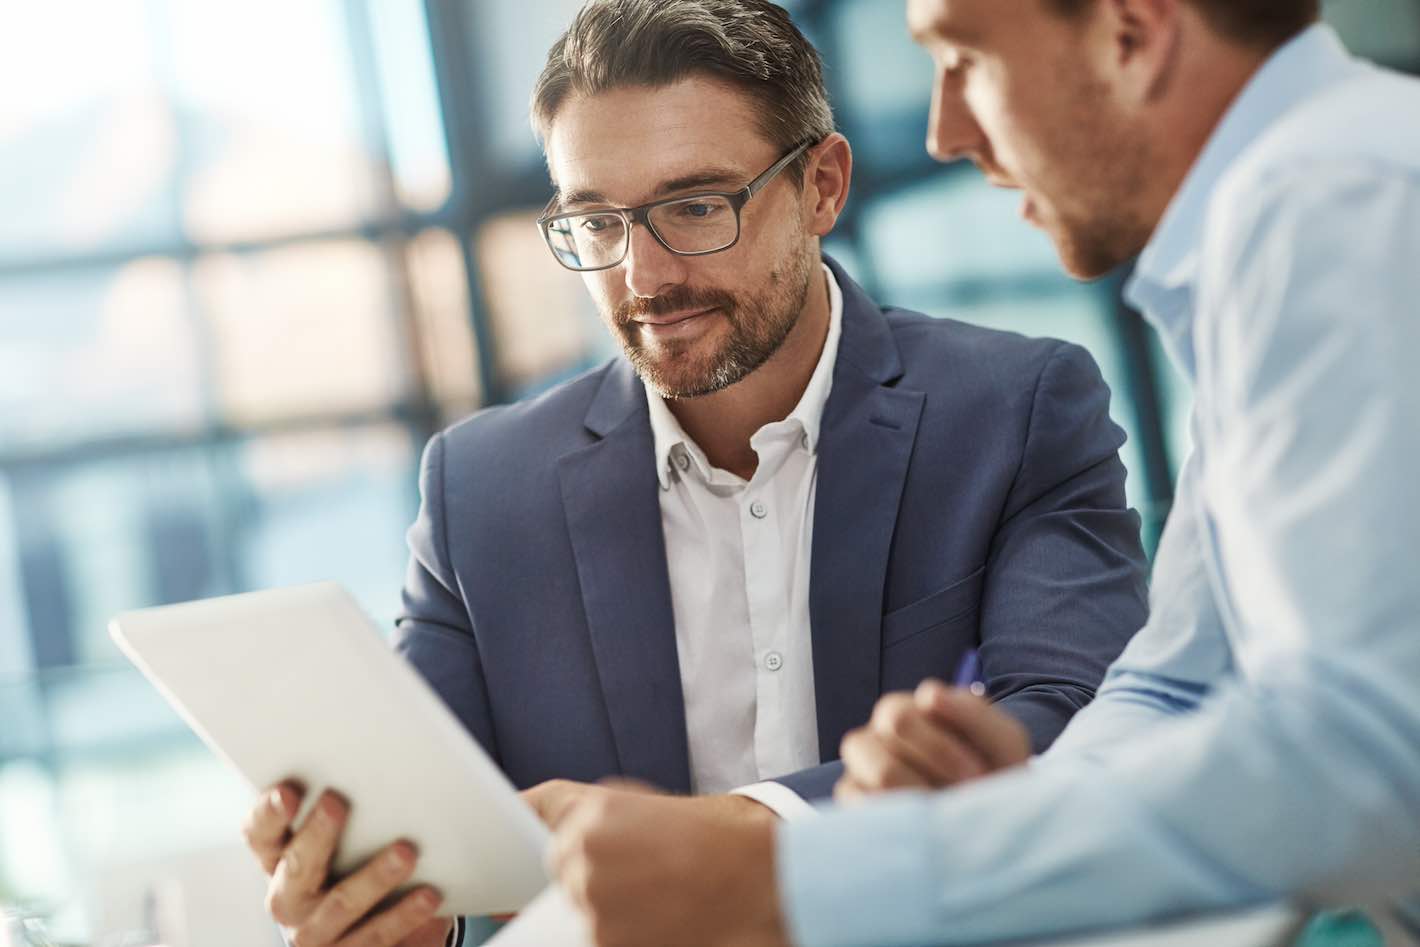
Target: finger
{"type": "Point", "coordinates": [1000, 739]}
{"type": "Point", "coordinates": [846, 792]}
{"type": "Point", "coordinates": [301, 872]}
{"type": "Point", "coordinates": [561, 800]}
{"type": "Point", "coordinates": [546, 798]}
{"type": "Point", "coordinates": [626, 784]}
{"type": "Point", "coordinates": [567, 856]}
{"type": "Point", "coordinates": [343, 905]}
{"type": "Point", "coordinates": [391, 926]}
{"type": "Point", "coordinates": [916, 738]}
{"type": "Point", "coordinates": [874, 768]}
{"type": "Point", "coordinates": [267, 826]}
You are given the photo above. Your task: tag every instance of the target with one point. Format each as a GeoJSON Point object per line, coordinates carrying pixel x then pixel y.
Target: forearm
{"type": "Point", "coordinates": [1162, 826]}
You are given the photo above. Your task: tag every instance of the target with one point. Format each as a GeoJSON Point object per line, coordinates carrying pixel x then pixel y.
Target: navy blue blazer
{"type": "Point", "coordinates": [969, 493]}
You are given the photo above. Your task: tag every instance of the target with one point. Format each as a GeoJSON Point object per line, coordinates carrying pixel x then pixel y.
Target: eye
{"type": "Point", "coordinates": [698, 210]}
{"type": "Point", "coordinates": [595, 224]}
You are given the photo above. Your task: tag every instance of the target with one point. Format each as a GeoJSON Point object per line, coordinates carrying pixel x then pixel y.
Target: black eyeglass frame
{"type": "Point", "coordinates": [641, 215]}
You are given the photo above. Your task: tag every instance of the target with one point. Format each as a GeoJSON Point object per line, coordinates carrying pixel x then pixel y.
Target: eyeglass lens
{"type": "Point", "coordinates": [693, 225]}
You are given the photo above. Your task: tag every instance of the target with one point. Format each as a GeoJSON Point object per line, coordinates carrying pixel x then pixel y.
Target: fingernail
{"type": "Point", "coordinates": [329, 809]}
{"type": "Point", "coordinates": [278, 805]}
{"type": "Point", "coordinates": [398, 858]}
{"type": "Point", "coordinates": [429, 900]}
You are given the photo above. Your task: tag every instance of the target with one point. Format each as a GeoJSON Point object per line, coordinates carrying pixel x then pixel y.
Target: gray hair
{"type": "Point", "coordinates": [750, 44]}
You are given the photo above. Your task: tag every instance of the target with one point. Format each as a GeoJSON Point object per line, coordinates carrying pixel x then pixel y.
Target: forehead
{"type": "Point", "coordinates": [625, 142]}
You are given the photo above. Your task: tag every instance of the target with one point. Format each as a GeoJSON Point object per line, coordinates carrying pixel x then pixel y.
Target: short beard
{"type": "Point", "coordinates": [759, 324]}
{"type": "Point", "coordinates": [1102, 230]}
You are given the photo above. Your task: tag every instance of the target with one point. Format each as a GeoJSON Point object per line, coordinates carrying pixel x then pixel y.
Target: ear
{"type": "Point", "coordinates": [826, 179]}
{"type": "Point", "coordinates": [1139, 39]}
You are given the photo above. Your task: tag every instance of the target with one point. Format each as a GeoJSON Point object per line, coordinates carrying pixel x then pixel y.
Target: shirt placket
{"type": "Point", "coordinates": [761, 524]}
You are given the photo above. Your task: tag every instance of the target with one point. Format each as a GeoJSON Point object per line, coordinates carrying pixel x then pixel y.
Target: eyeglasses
{"type": "Point", "coordinates": [694, 225]}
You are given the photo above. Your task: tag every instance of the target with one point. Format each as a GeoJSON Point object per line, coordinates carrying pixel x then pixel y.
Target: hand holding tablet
{"type": "Point", "coordinates": [295, 687]}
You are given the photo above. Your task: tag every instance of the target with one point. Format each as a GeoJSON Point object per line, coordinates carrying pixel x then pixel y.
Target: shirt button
{"type": "Point", "coordinates": [682, 459]}
{"type": "Point", "coordinates": [758, 510]}
{"type": "Point", "coordinates": [804, 440]}
{"type": "Point", "coordinates": [774, 660]}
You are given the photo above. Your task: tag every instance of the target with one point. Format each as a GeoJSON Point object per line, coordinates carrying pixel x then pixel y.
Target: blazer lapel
{"type": "Point", "coordinates": [610, 493]}
{"type": "Point", "coordinates": [869, 429]}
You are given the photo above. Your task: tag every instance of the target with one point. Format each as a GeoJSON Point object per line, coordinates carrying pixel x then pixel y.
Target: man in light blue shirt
{"type": "Point", "coordinates": [1260, 737]}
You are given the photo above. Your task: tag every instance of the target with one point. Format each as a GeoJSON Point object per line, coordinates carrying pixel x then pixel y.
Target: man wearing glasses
{"type": "Point", "coordinates": [700, 565]}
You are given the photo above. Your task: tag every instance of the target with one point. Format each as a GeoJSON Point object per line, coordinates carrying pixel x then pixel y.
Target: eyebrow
{"type": "Point", "coordinates": [706, 177]}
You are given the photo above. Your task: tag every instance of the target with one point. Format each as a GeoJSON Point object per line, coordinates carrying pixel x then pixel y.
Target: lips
{"type": "Point", "coordinates": [672, 318]}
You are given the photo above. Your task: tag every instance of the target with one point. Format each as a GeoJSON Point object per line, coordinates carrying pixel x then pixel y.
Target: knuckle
{"type": "Point", "coordinates": [276, 906]}
{"type": "Point", "coordinates": [888, 713]}
{"type": "Point", "coordinates": [293, 865]}
{"type": "Point", "coordinates": [898, 720]}
{"type": "Point", "coordinates": [339, 902]}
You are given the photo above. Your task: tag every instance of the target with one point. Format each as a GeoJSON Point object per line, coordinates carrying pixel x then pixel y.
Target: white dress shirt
{"type": "Point", "coordinates": [738, 554]}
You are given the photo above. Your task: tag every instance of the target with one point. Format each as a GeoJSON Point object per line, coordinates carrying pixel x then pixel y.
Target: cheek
{"type": "Point", "coordinates": [607, 289]}
{"type": "Point", "coordinates": [1007, 118]}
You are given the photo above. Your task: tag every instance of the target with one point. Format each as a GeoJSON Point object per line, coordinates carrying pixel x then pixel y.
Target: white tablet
{"type": "Point", "coordinates": [298, 684]}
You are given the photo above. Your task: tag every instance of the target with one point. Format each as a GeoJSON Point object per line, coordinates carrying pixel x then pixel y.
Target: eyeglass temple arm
{"type": "Point", "coordinates": [755, 186]}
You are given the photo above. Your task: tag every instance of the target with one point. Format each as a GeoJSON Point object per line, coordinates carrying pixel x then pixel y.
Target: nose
{"type": "Point", "coordinates": [650, 268]}
{"type": "Point", "coordinates": [952, 132]}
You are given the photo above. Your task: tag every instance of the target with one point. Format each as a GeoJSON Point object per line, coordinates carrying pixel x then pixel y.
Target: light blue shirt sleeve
{"type": "Point", "coordinates": [1262, 736]}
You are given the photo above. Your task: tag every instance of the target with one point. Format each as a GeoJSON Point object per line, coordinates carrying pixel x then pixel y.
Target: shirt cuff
{"type": "Point", "coordinates": [864, 875]}
{"type": "Point", "coordinates": [779, 799]}
{"type": "Point", "coordinates": [455, 938]}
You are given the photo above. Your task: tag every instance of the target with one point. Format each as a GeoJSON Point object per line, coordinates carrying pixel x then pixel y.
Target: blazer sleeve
{"type": "Point", "coordinates": [434, 632]}
{"type": "Point", "coordinates": [1066, 581]}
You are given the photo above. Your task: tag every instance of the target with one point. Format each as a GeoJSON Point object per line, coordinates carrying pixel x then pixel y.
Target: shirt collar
{"type": "Point", "coordinates": [808, 413]}
{"type": "Point", "coordinates": [1163, 280]}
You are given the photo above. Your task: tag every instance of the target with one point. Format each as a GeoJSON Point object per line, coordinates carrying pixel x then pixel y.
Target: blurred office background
{"type": "Point", "coordinates": [251, 255]}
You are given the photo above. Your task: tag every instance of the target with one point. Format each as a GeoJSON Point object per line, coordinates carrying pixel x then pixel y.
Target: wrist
{"type": "Point", "coordinates": [754, 873]}
{"type": "Point", "coordinates": [742, 809]}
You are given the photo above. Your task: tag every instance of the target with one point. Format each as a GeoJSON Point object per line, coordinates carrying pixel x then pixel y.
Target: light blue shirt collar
{"type": "Point", "coordinates": [1163, 280]}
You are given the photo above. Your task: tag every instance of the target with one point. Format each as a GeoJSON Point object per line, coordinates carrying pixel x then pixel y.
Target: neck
{"type": "Point", "coordinates": [723, 423]}
{"type": "Point", "coordinates": [1202, 90]}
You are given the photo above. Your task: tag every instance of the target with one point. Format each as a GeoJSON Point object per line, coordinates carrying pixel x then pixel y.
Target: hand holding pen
{"type": "Point", "coordinates": [932, 738]}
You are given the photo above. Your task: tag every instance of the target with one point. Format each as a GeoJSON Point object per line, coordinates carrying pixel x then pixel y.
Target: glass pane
{"type": "Point", "coordinates": [118, 342]}
{"type": "Point", "coordinates": [302, 330]}
{"type": "Point", "coordinates": [15, 655]}
{"type": "Point", "coordinates": [882, 84]}
{"type": "Point", "coordinates": [113, 534]}
{"type": "Point", "coordinates": [449, 351]}
{"type": "Point", "coordinates": [512, 40]}
{"type": "Point", "coordinates": [136, 830]}
{"type": "Point", "coordinates": [1384, 30]}
{"type": "Point", "coordinates": [277, 139]}
{"type": "Point", "coordinates": [330, 505]}
{"type": "Point", "coordinates": [544, 323]}
{"type": "Point", "coordinates": [88, 142]}
{"type": "Point", "coordinates": [954, 229]}
{"type": "Point", "coordinates": [418, 151]}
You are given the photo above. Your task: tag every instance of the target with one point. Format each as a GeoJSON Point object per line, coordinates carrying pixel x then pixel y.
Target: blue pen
{"type": "Point", "coordinates": [969, 673]}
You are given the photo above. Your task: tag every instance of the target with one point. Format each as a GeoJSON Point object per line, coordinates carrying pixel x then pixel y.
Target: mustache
{"type": "Point", "coordinates": [680, 299]}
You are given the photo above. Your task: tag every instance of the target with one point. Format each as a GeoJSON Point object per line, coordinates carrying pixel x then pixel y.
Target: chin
{"type": "Point", "coordinates": [1088, 260]}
